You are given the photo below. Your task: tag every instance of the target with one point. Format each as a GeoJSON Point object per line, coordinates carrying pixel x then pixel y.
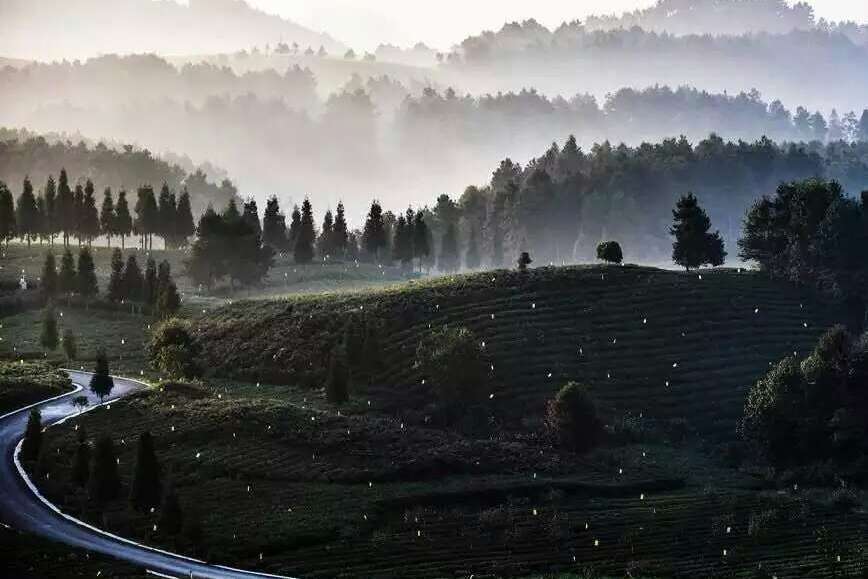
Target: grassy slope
{"type": "Point", "coordinates": [285, 483]}
{"type": "Point", "coordinates": [624, 331]}
{"type": "Point", "coordinates": [24, 384]}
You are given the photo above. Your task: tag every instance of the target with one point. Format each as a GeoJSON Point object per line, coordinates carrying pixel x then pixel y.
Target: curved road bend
{"type": "Point", "coordinates": [21, 509]}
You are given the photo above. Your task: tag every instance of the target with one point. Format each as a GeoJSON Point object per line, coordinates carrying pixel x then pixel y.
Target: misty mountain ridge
{"type": "Point", "coordinates": [82, 28]}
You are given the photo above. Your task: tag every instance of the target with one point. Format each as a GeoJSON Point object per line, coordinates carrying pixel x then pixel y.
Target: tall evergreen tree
{"type": "Point", "coordinates": [146, 488]}
{"type": "Point", "coordinates": [68, 277]}
{"type": "Point", "coordinates": [421, 234]}
{"type": "Point", "coordinates": [375, 237]}
{"type": "Point", "coordinates": [123, 222]}
{"type": "Point", "coordinates": [27, 214]}
{"type": "Point", "coordinates": [694, 246]}
{"type": "Point", "coordinates": [167, 209]}
{"type": "Point", "coordinates": [251, 216]}
{"type": "Point", "coordinates": [87, 284]}
{"type": "Point", "coordinates": [89, 226]}
{"type": "Point", "coordinates": [449, 260]}
{"type": "Point", "coordinates": [294, 227]}
{"type": "Point", "coordinates": [50, 210]}
{"type": "Point", "coordinates": [107, 215]}
{"type": "Point", "coordinates": [340, 232]}
{"type": "Point", "coordinates": [133, 282]}
{"type": "Point", "coordinates": [147, 217]}
{"type": "Point", "coordinates": [70, 345]}
{"type": "Point", "coordinates": [77, 226]}
{"type": "Point", "coordinates": [42, 223]}
{"type": "Point", "coordinates": [116, 288]}
{"type": "Point", "coordinates": [402, 242]}
{"type": "Point", "coordinates": [81, 464]}
{"type": "Point", "coordinates": [104, 481]}
{"type": "Point", "coordinates": [185, 228]}
{"type": "Point", "coordinates": [101, 382]}
{"type": "Point", "coordinates": [149, 288]}
{"type": "Point", "coordinates": [48, 280]}
{"type": "Point", "coordinates": [326, 235]}
{"type": "Point", "coordinates": [49, 337]}
{"type": "Point", "coordinates": [64, 208]}
{"type": "Point", "coordinates": [168, 300]}
{"type": "Point", "coordinates": [274, 225]}
{"type": "Point", "coordinates": [7, 215]}
{"type": "Point", "coordinates": [472, 259]}
{"type": "Point", "coordinates": [32, 443]}
{"type": "Point", "coordinates": [303, 250]}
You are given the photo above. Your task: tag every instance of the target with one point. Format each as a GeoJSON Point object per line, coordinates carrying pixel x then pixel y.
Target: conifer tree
{"type": "Point", "coordinates": [171, 517]}
{"type": "Point", "coordinates": [89, 225]}
{"type": "Point", "coordinates": [76, 227]}
{"type": "Point", "coordinates": [50, 224]}
{"type": "Point", "coordinates": [294, 227]}
{"type": "Point", "coordinates": [64, 208]}
{"type": "Point", "coordinates": [694, 246]}
{"type": "Point", "coordinates": [168, 300]}
{"type": "Point", "coordinates": [87, 284]}
{"type": "Point", "coordinates": [70, 345]}
{"type": "Point", "coordinates": [104, 482]}
{"type": "Point", "coordinates": [27, 214]}
{"type": "Point", "coordinates": [472, 259]}
{"type": "Point", "coordinates": [116, 288]}
{"type": "Point", "coordinates": [48, 280]}
{"type": "Point", "coordinates": [107, 215]}
{"type": "Point", "coordinates": [49, 336]}
{"type": "Point", "coordinates": [146, 488]}
{"type": "Point", "coordinates": [146, 216]}
{"type": "Point", "coordinates": [81, 464]}
{"type": "Point", "coordinates": [133, 281]}
{"type": "Point", "coordinates": [149, 288]}
{"type": "Point", "coordinates": [101, 383]}
{"type": "Point", "coordinates": [337, 386]}
{"type": "Point", "coordinates": [375, 238]}
{"type": "Point", "coordinates": [167, 210]}
{"type": "Point", "coordinates": [32, 442]}
{"type": "Point", "coordinates": [42, 223]}
{"type": "Point", "coordinates": [339, 232]}
{"type": "Point", "coordinates": [123, 221]}
{"type": "Point", "coordinates": [274, 225]}
{"type": "Point", "coordinates": [251, 216]}
{"type": "Point", "coordinates": [448, 260]}
{"type": "Point", "coordinates": [303, 250]}
{"type": "Point", "coordinates": [185, 228]}
{"type": "Point", "coordinates": [7, 215]}
{"type": "Point", "coordinates": [68, 278]}
{"type": "Point", "coordinates": [421, 245]}
{"type": "Point", "coordinates": [326, 235]}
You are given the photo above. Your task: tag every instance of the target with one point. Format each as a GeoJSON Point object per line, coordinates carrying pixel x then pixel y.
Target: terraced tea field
{"type": "Point", "coordinates": [284, 482]}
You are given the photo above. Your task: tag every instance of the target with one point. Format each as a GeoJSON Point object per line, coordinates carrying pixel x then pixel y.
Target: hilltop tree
{"type": "Point", "coordinates": [374, 238]}
{"type": "Point", "coordinates": [147, 217]}
{"type": "Point", "coordinates": [76, 227]}
{"type": "Point", "coordinates": [274, 225]}
{"type": "Point", "coordinates": [48, 280]}
{"type": "Point", "coordinates": [41, 223]}
{"type": "Point", "coordinates": [104, 481]}
{"type": "Point", "coordinates": [133, 282]}
{"type": "Point", "coordinates": [101, 383]}
{"type": "Point", "coordinates": [173, 349]}
{"type": "Point", "coordinates": [250, 216]}
{"type": "Point", "coordinates": [694, 246]}
{"type": "Point", "coordinates": [49, 217]}
{"type": "Point", "coordinates": [524, 261]}
{"type": "Point", "coordinates": [107, 215]}
{"type": "Point", "coordinates": [326, 235]}
{"type": "Point", "coordinates": [32, 443]}
{"type": "Point", "coordinates": [572, 418]}
{"type": "Point", "coordinates": [294, 227]}
{"type": "Point", "coordinates": [87, 284]}
{"type": "Point", "coordinates": [167, 213]}
{"type": "Point", "coordinates": [421, 241]}
{"type": "Point", "coordinates": [81, 464]}
{"type": "Point", "coordinates": [27, 214]}
{"type": "Point", "coordinates": [49, 336]}
{"type": "Point", "coordinates": [303, 250]}
{"type": "Point", "coordinates": [123, 222]}
{"type": "Point", "coordinates": [402, 249]}
{"type": "Point", "coordinates": [206, 264]}
{"type": "Point", "coordinates": [472, 259]}
{"type": "Point", "coordinates": [610, 252]}
{"type": "Point", "coordinates": [449, 261]}
{"type": "Point", "coordinates": [68, 278]}
{"type": "Point", "coordinates": [7, 215]}
{"type": "Point", "coordinates": [146, 488]}
{"type": "Point", "coordinates": [339, 232]}
{"type": "Point", "coordinates": [89, 225]}
{"type": "Point", "coordinates": [70, 345]}
{"type": "Point", "coordinates": [185, 228]}
{"type": "Point", "coordinates": [64, 208]}
{"type": "Point", "coordinates": [149, 286]}
{"type": "Point", "coordinates": [116, 287]}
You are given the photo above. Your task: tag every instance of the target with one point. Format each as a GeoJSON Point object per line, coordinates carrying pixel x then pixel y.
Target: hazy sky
{"type": "Point", "coordinates": [365, 23]}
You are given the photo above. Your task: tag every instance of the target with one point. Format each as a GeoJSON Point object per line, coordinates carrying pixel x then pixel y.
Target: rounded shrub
{"type": "Point", "coordinates": [610, 252]}
{"type": "Point", "coordinates": [173, 349]}
{"type": "Point", "coordinates": [453, 362]}
{"type": "Point", "coordinates": [572, 418]}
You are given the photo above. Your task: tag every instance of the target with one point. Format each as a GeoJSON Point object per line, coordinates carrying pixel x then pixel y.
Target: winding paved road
{"type": "Point", "coordinates": [23, 510]}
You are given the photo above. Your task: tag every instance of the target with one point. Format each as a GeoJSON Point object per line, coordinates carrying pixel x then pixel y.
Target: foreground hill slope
{"type": "Point", "coordinates": [661, 344]}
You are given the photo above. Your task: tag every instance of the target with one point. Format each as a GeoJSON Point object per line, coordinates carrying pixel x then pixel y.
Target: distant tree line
{"type": "Point", "coordinates": [61, 211]}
